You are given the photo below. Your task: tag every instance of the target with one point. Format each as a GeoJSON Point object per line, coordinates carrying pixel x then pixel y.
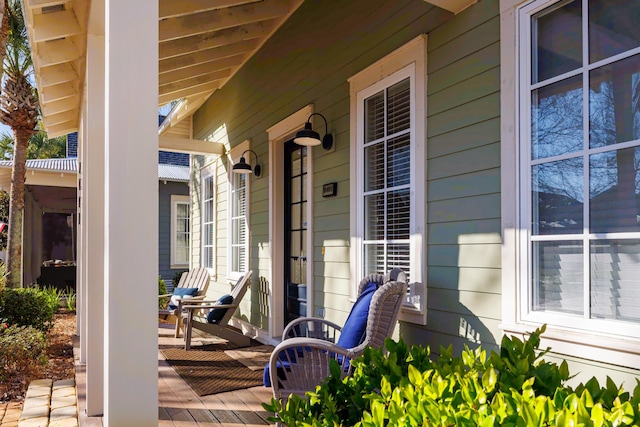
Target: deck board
{"type": "Point", "coordinates": [184, 407]}
{"type": "Point", "coordinates": [180, 406]}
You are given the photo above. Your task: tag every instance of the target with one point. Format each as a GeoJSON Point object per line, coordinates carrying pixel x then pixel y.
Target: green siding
{"type": "Point", "coordinates": [463, 182]}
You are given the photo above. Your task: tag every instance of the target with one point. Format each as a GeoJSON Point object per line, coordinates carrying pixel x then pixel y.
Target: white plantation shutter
{"type": "Point", "coordinates": [387, 179]}
{"type": "Point", "coordinates": [208, 220]}
{"type": "Point", "coordinates": [238, 223]}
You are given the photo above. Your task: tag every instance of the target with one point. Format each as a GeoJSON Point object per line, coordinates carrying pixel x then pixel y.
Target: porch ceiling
{"type": "Point", "coordinates": [202, 44]}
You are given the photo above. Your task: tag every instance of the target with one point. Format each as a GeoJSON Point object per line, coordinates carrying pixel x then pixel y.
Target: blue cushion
{"type": "Point", "coordinates": [355, 328]}
{"type": "Point", "coordinates": [179, 293]}
{"type": "Point", "coordinates": [217, 314]}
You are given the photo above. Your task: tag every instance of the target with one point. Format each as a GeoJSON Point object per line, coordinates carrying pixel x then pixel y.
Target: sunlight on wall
{"type": "Point", "coordinates": [465, 330]}
{"type": "Point", "coordinates": [479, 286]}
{"type": "Point", "coordinates": [220, 135]}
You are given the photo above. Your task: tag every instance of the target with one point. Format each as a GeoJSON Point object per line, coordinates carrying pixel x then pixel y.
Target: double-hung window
{"type": "Point", "coordinates": [238, 230]}
{"type": "Point", "coordinates": [180, 230]}
{"type": "Point", "coordinates": [389, 173]}
{"type": "Point", "coordinates": [579, 165]}
{"type": "Point", "coordinates": [208, 212]}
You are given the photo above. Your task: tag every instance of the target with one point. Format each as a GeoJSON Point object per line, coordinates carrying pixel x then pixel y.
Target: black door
{"type": "Point", "coordinates": [295, 229]}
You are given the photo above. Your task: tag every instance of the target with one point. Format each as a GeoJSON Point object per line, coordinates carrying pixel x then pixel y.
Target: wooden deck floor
{"type": "Point", "coordinates": [179, 406]}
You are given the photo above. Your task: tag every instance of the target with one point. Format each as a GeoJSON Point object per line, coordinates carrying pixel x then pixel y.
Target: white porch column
{"type": "Point", "coordinates": [94, 208]}
{"type": "Point", "coordinates": [131, 213]}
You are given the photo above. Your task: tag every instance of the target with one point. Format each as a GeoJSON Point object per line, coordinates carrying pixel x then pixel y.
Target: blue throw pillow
{"type": "Point", "coordinates": [217, 314]}
{"type": "Point", "coordinates": [355, 328]}
{"type": "Point", "coordinates": [180, 293]}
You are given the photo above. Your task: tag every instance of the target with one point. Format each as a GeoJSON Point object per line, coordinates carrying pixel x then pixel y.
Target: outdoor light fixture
{"type": "Point", "coordinates": [243, 167]}
{"type": "Point", "coordinates": [308, 137]}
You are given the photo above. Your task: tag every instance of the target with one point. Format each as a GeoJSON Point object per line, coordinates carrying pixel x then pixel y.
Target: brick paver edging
{"type": "Point", "coordinates": [47, 404]}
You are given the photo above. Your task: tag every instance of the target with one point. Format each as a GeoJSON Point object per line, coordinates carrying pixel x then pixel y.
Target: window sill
{"type": "Point", "coordinates": [179, 266]}
{"type": "Point", "coordinates": [600, 348]}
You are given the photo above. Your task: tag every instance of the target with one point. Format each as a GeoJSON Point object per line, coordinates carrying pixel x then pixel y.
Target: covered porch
{"type": "Point", "coordinates": [102, 69]}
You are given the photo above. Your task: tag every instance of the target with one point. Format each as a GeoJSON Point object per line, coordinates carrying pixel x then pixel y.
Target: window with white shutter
{"type": "Point", "coordinates": [180, 230]}
{"type": "Point", "coordinates": [208, 213]}
{"type": "Point", "coordinates": [389, 173]}
{"type": "Point", "coordinates": [238, 248]}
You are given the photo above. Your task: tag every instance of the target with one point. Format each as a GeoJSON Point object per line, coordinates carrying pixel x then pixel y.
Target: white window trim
{"type": "Point", "coordinates": [411, 58]}
{"type": "Point", "coordinates": [603, 347]}
{"type": "Point", "coordinates": [175, 201]}
{"type": "Point", "coordinates": [209, 172]}
{"type": "Point", "coordinates": [233, 157]}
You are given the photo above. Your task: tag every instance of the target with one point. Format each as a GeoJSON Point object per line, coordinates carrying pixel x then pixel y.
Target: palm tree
{"type": "Point", "coordinates": [19, 109]}
{"type": "Point", "coordinates": [39, 147]}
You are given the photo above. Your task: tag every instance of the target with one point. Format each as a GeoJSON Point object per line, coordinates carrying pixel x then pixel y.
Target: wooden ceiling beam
{"type": "Point", "coordinates": [174, 8]}
{"type": "Point", "coordinates": [216, 76]}
{"type": "Point", "coordinates": [65, 116]}
{"type": "Point", "coordinates": [57, 74]}
{"type": "Point", "coordinates": [204, 90]}
{"type": "Point", "coordinates": [201, 69]}
{"type": "Point", "coordinates": [57, 92]}
{"type": "Point", "coordinates": [190, 25]}
{"type": "Point", "coordinates": [215, 39]}
{"type": "Point", "coordinates": [194, 146]}
{"type": "Point", "coordinates": [55, 25]}
{"type": "Point", "coordinates": [207, 55]}
{"type": "Point", "coordinates": [59, 106]}
{"type": "Point", "coordinates": [56, 52]}
{"type": "Point", "coordinates": [62, 129]}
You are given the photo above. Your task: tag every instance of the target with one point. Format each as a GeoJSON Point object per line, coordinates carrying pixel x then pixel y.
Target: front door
{"type": "Point", "coordinates": [295, 231]}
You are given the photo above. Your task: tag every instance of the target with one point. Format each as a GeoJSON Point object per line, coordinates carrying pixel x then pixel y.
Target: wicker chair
{"type": "Point", "coordinates": [301, 361]}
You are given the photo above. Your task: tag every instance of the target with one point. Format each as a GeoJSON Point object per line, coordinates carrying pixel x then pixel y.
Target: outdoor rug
{"type": "Point", "coordinates": [208, 369]}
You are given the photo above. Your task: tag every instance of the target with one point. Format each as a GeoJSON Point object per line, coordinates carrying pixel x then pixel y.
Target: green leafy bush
{"type": "Point", "coordinates": [71, 299]}
{"type": "Point", "coordinates": [54, 296]}
{"type": "Point", "coordinates": [27, 307]}
{"type": "Point", "coordinates": [407, 388]}
{"type": "Point", "coordinates": [162, 290]}
{"type": "Point", "coordinates": [22, 350]}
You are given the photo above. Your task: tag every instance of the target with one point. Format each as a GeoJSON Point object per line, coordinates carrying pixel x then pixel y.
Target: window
{"type": "Point", "coordinates": [238, 231]}
{"type": "Point", "coordinates": [389, 173]}
{"type": "Point", "coordinates": [209, 218]}
{"type": "Point", "coordinates": [180, 230]}
{"type": "Point", "coordinates": [579, 158]}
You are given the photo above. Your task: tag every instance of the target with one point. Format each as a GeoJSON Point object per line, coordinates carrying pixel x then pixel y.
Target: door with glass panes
{"type": "Point", "coordinates": [295, 229]}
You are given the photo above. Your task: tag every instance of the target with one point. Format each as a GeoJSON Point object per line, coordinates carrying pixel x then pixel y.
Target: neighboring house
{"type": "Point", "coordinates": [51, 198]}
{"type": "Point", "coordinates": [488, 148]}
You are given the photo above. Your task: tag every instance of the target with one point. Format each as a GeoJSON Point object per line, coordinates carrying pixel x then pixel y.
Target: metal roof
{"type": "Point", "coordinates": [70, 165]}
{"type": "Point", "coordinates": [173, 173]}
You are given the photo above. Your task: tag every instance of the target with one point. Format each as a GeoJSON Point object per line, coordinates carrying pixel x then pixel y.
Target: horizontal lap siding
{"type": "Point", "coordinates": [308, 61]}
{"type": "Point", "coordinates": [463, 182]}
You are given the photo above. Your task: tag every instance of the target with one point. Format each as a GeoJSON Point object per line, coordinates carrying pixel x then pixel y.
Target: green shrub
{"type": "Point", "coordinates": [162, 290]}
{"type": "Point", "coordinates": [22, 350]}
{"type": "Point", "coordinates": [407, 388]}
{"type": "Point", "coordinates": [54, 296]}
{"type": "Point", "coordinates": [71, 299]}
{"type": "Point", "coordinates": [27, 307]}
{"type": "Point", "coordinates": [3, 275]}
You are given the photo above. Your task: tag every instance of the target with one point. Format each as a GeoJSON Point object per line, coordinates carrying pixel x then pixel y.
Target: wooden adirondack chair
{"type": "Point", "coordinates": [195, 280]}
{"type": "Point", "coordinates": [219, 316]}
